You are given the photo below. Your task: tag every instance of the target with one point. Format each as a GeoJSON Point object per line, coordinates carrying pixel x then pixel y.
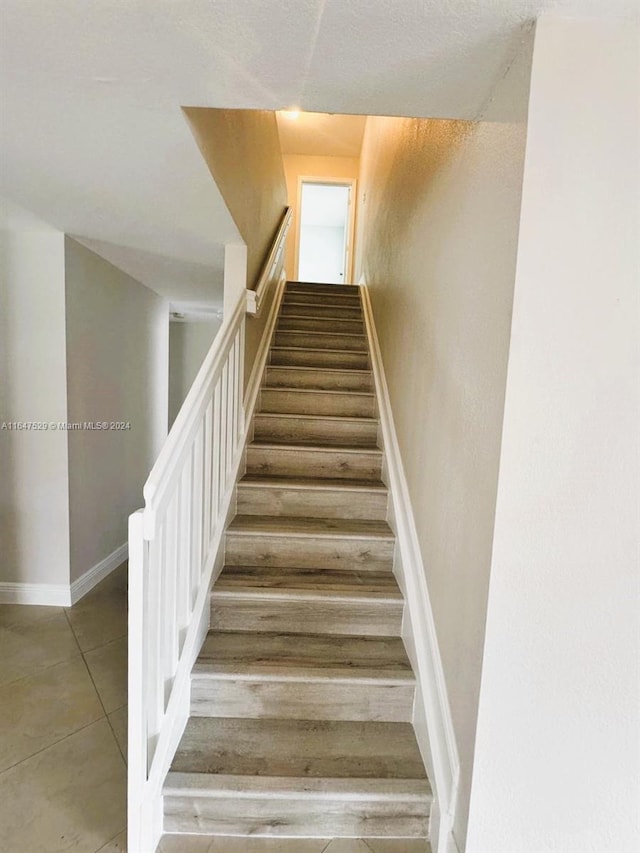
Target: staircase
{"type": "Point", "coordinates": [302, 696]}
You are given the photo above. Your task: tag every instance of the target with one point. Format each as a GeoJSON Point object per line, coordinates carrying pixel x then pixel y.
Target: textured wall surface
{"type": "Point", "coordinates": [558, 743]}
{"type": "Point", "coordinates": [34, 497]}
{"type": "Point", "coordinates": [438, 225]}
{"type": "Point", "coordinates": [117, 371]}
{"type": "Point", "coordinates": [242, 150]}
{"type": "Point", "coordinates": [188, 345]}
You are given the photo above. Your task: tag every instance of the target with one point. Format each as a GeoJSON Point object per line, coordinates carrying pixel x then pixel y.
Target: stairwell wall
{"type": "Point", "coordinates": [34, 496]}
{"type": "Point", "coordinates": [117, 342]}
{"type": "Point", "coordinates": [437, 235]}
{"type": "Point", "coordinates": [242, 151]}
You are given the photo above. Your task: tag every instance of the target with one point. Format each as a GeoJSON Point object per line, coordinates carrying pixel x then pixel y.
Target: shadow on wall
{"type": "Point", "coordinates": [189, 343]}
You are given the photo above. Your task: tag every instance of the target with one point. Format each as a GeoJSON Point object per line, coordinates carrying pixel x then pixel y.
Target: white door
{"type": "Point", "coordinates": [324, 231]}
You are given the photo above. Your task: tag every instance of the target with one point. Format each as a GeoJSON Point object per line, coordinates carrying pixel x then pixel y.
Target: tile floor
{"type": "Point", "coordinates": [63, 732]}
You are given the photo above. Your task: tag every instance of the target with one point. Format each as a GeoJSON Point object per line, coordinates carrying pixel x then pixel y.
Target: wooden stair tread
{"type": "Point", "coordinates": [320, 448]}
{"type": "Point", "coordinates": [265, 480]}
{"type": "Point", "coordinates": [299, 748]}
{"type": "Point", "coordinates": [309, 527]}
{"type": "Point", "coordinates": [303, 368]}
{"type": "Point", "coordinates": [317, 417]}
{"type": "Point", "coordinates": [303, 656]}
{"type": "Point", "coordinates": [283, 389]}
{"type": "Point", "coordinates": [309, 582]}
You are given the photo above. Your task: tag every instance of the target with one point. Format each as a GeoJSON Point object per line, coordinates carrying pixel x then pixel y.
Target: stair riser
{"type": "Point", "coordinates": [309, 430]}
{"type": "Point", "coordinates": [322, 287]}
{"type": "Point", "coordinates": [301, 700]}
{"type": "Point", "coordinates": [312, 503]}
{"type": "Point", "coordinates": [317, 403]}
{"type": "Point", "coordinates": [324, 300]}
{"type": "Point", "coordinates": [339, 360]}
{"type": "Point", "coordinates": [309, 552]}
{"type": "Point", "coordinates": [306, 616]}
{"type": "Point", "coordinates": [310, 340]}
{"type": "Point", "coordinates": [322, 380]}
{"type": "Point", "coordinates": [281, 462]}
{"type": "Point", "coordinates": [313, 324]}
{"type": "Point", "coordinates": [303, 817]}
{"type": "Point", "coordinates": [319, 310]}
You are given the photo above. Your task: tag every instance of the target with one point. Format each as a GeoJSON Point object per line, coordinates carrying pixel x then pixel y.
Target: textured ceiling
{"type": "Point", "coordinates": [321, 134]}
{"type": "Point", "coordinates": [93, 141]}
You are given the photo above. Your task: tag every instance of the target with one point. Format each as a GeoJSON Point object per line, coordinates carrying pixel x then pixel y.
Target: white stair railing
{"type": "Point", "coordinates": [173, 543]}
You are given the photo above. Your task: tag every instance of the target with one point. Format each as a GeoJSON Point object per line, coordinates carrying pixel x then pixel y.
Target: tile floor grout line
{"type": "Point", "coordinates": [53, 743]}
{"type": "Point", "coordinates": [102, 705]}
{"type": "Point", "coordinates": [39, 672]}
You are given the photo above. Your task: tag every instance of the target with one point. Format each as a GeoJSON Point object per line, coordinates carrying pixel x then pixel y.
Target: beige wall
{"type": "Point", "coordinates": [439, 210]}
{"type": "Point", "coordinates": [117, 369]}
{"type": "Point", "coordinates": [34, 497]}
{"type": "Point", "coordinates": [188, 345]}
{"type": "Point", "coordinates": [558, 738]}
{"type": "Point", "coordinates": [297, 165]}
{"type": "Point", "coordinates": [242, 151]}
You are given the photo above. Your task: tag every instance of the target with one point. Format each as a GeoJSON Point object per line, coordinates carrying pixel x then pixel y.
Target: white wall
{"type": "Point", "coordinates": [34, 500]}
{"type": "Point", "coordinates": [438, 224]}
{"type": "Point", "coordinates": [557, 763]}
{"type": "Point", "coordinates": [117, 371]}
{"type": "Point", "coordinates": [189, 342]}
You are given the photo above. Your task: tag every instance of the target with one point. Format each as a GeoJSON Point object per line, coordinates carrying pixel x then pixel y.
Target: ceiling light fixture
{"type": "Point", "coordinates": [292, 114]}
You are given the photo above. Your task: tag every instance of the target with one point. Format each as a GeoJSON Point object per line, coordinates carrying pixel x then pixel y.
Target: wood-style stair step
{"type": "Point", "coordinates": [297, 778]}
{"type": "Point", "coordinates": [323, 358]}
{"type": "Point", "coordinates": [318, 379]}
{"type": "Point", "coordinates": [322, 340]}
{"type": "Point", "coordinates": [302, 676]}
{"type": "Point", "coordinates": [319, 543]}
{"type": "Point", "coordinates": [311, 402]}
{"type": "Point", "coordinates": [291, 460]}
{"type": "Point", "coordinates": [323, 289]}
{"type": "Point", "coordinates": [307, 601]}
{"type": "Point", "coordinates": [291, 306]}
{"type": "Point", "coordinates": [320, 324]}
{"type": "Point", "coordinates": [312, 429]}
{"type": "Point", "coordinates": [322, 299]}
{"type": "Point", "coordinates": [312, 497]}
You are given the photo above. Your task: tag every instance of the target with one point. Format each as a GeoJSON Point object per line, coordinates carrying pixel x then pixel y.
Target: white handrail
{"type": "Point", "coordinates": [173, 545]}
{"type": "Point", "coordinates": [269, 271]}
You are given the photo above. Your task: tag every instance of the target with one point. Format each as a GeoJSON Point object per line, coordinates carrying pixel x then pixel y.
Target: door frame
{"type": "Point", "coordinates": [351, 221]}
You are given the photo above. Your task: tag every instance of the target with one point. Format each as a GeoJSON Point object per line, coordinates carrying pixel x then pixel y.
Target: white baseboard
{"type": "Point", "coordinates": [95, 574]}
{"type": "Point", "coordinates": [433, 722]}
{"type": "Point", "coordinates": [62, 594]}
{"type": "Point", "coordinates": [47, 594]}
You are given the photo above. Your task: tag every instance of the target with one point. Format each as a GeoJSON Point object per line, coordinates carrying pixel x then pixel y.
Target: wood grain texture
{"type": "Point", "coordinates": [294, 307]}
{"type": "Point", "coordinates": [322, 340]}
{"type": "Point", "coordinates": [269, 458]}
{"type": "Point", "coordinates": [308, 357]}
{"type": "Point", "coordinates": [315, 429]}
{"type": "Point", "coordinates": [357, 404]}
{"type": "Point", "coordinates": [318, 379]}
{"type": "Point", "coordinates": [302, 676]}
{"type": "Point", "coordinates": [320, 749]}
{"type": "Point", "coordinates": [315, 498]}
{"type": "Point", "coordinates": [297, 323]}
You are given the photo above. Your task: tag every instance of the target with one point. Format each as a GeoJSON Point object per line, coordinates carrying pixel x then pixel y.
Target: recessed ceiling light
{"type": "Point", "coordinates": [291, 114]}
